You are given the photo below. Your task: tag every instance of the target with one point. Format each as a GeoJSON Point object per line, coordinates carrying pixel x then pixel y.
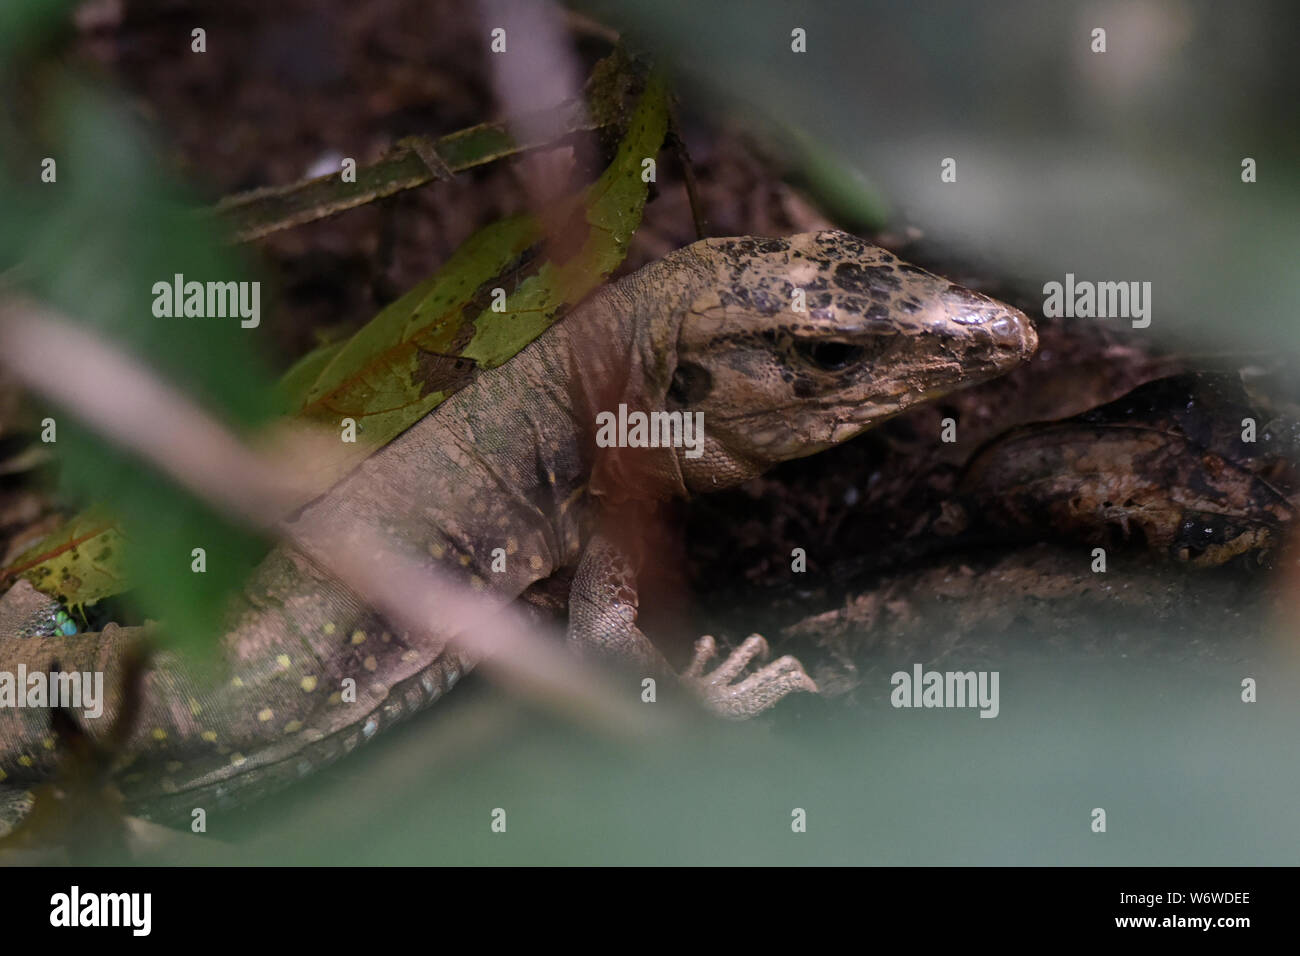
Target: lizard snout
{"type": "Point", "coordinates": [992, 335]}
{"type": "Point", "coordinates": [1013, 333]}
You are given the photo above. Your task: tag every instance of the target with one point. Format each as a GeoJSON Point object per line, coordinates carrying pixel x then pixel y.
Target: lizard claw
{"type": "Point", "coordinates": [755, 693]}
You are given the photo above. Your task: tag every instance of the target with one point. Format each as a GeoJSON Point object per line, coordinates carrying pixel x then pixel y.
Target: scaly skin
{"type": "Point", "coordinates": [510, 462]}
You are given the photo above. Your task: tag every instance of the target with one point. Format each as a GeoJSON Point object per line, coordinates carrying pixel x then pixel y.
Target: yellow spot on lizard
{"type": "Point", "coordinates": [265, 714]}
{"type": "Point", "coordinates": [358, 637]}
{"type": "Point", "coordinates": [574, 497]}
{"type": "Point", "coordinates": [308, 683]}
{"type": "Point", "coordinates": [159, 734]}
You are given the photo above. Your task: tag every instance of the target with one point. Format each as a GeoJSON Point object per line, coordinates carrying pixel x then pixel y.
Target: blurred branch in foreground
{"type": "Point", "coordinates": [124, 401]}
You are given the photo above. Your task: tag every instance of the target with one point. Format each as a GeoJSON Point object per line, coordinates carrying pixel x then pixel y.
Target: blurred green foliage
{"type": "Point", "coordinates": [92, 244]}
{"type": "Point", "coordinates": [377, 377]}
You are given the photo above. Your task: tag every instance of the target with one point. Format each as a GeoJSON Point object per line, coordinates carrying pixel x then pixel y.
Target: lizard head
{"type": "Point", "coordinates": [875, 336]}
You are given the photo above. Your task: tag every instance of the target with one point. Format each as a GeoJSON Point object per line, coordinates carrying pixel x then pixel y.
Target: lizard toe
{"type": "Point", "coordinates": [753, 695]}
{"type": "Point", "coordinates": [706, 649]}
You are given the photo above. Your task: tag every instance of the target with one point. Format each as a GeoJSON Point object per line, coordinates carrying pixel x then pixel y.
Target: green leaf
{"type": "Point", "coordinates": [401, 365]}
{"type": "Point", "coordinates": [437, 338]}
{"type": "Point", "coordinates": [93, 244]}
{"type": "Point", "coordinates": [292, 389]}
{"type": "Point", "coordinates": [79, 564]}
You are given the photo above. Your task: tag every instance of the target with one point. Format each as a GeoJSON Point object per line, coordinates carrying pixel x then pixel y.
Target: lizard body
{"type": "Point", "coordinates": [510, 462]}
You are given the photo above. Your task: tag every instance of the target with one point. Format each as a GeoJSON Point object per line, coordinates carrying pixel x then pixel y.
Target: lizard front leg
{"type": "Point", "coordinates": [602, 620]}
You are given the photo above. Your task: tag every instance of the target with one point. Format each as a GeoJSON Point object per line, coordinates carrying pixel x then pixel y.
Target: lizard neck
{"type": "Point", "coordinates": [622, 354]}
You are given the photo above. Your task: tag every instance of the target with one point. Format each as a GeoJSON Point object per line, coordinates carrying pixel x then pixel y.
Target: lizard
{"type": "Point", "coordinates": [510, 465]}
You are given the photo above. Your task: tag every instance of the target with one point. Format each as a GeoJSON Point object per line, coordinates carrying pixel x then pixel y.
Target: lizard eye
{"type": "Point", "coordinates": [691, 384]}
{"type": "Point", "coordinates": [829, 356]}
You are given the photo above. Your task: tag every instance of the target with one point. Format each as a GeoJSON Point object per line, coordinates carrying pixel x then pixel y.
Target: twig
{"type": "Point", "coordinates": [688, 171]}
{"type": "Point", "coordinates": [260, 212]}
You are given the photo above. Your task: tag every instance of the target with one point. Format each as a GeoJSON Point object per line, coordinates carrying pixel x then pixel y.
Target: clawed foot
{"type": "Point", "coordinates": [752, 695]}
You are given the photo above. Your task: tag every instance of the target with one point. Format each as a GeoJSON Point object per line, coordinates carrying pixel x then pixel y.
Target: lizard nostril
{"type": "Point", "coordinates": [1014, 331]}
{"type": "Point", "coordinates": [1003, 328]}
